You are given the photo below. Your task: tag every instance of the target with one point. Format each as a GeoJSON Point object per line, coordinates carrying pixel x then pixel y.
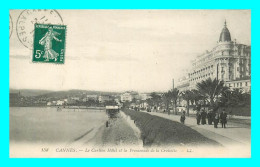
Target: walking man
{"type": "Point", "coordinates": [203, 117]}
{"type": "Point", "coordinates": [209, 116]}
{"type": "Point", "coordinates": [223, 118]}
{"type": "Point", "coordinates": [198, 117]}
{"type": "Point", "coordinates": [216, 120]}
{"type": "Point", "coordinates": [182, 119]}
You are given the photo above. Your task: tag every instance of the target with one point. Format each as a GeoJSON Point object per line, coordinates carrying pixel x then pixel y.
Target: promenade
{"type": "Point", "coordinates": [234, 135]}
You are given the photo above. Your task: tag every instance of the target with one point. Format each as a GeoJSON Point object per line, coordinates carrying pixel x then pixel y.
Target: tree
{"type": "Point", "coordinates": [110, 103]}
{"type": "Point", "coordinates": [149, 102]}
{"type": "Point", "coordinates": [247, 98]}
{"type": "Point", "coordinates": [126, 104]}
{"type": "Point", "coordinates": [211, 89]}
{"type": "Point", "coordinates": [237, 97]}
{"type": "Point", "coordinates": [187, 96]}
{"type": "Point", "coordinates": [226, 99]}
{"type": "Point", "coordinates": [196, 97]}
{"type": "Point", "coordinates": [234, 97]}
{"type": "Point", "coordinates": [134, 100]}
{"type": "Point", "coordinates": [155, 99]}
{"type": "Point", "coordinates": [174, 95]}
{"type": "Point", "coordinates": [167, 100]}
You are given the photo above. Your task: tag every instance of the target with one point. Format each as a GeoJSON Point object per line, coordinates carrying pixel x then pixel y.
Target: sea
{"type": "Point", "coordinates": [49, 125]}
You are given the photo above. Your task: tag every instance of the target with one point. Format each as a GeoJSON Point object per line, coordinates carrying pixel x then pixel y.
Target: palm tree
{"type": "Point", "coordinates": [210, 89]}
{"type": "Point", "coordinates": [188, 97]}
{"type": "Point", "coordinates": [226, 99]}
{"type": "Point", "coordinates": [167, 100]}
{"type": "Point", "coordinates": [174, 96]}
{"type": "Point", "coordinates": [196, 96]}
{"type": "Point", "coordinates": [149, 102]}
{"type": "Point", "coordinates": [239, 98]}
{"type": "Point", "coordinates": [155, 99]}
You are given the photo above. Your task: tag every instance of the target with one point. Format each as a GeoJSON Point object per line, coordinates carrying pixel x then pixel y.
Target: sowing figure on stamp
{"type": "Point", "coordinates": [49, 53]}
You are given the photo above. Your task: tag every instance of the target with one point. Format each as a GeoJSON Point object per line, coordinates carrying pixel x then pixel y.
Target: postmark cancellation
{"type": "Point", "coordinates": [27, 19]}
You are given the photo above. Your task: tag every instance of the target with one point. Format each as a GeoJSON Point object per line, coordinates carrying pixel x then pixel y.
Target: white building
{"type": "Point", "coordinates": [60, 103]}
{"type": "Point", "coordinates": [85, 99]}
{"type": "Point", "coordinates": [126, 97]}
{"type": "Point", "coordinates": [92, 97]}
{"type": "Point", "coordinates": [104, 98]}
{"type": "Point", "coordinates": [143, 105]}
{"type": "Point", "coordinates": [228, 61]}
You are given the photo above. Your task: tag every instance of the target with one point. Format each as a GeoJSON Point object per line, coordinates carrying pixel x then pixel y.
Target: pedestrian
{"type": "Point", "coordinates": [212, 116]}
{"type": "Point", "coordinates": [182, 119]}
{"type": "Point", "coordinates": [184, 112]}
{"type": "Point", "coordinates": [223, 118]}
{"type": "Point", "coordinates": [198, 117]}
{"type": "Point", "coordinates": [203, 117]}
{"type": "Point", "coordinates": [209, 116]}
{"type": "Point", "coordinates": [216, 120]}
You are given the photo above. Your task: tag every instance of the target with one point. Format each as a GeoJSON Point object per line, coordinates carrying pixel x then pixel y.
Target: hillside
{"type": "Point", "coordinates": [59, 94]}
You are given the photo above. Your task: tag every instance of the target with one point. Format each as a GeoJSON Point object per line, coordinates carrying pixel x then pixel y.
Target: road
{"type": "Point", "coordinates": [234, 135]}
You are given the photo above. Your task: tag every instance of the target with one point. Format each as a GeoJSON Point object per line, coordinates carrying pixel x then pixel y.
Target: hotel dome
{"type": "Point", "coordinates": [225, 34]}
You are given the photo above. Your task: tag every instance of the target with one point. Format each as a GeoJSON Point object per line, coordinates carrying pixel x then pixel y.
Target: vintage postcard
{"type": "Point", "coordinates": [130, 83]}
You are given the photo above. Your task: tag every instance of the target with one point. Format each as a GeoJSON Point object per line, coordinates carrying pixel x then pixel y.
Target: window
{"type": "Point", "coordinates": [246, 83]}
{"type": "Point", "coordinates": [241, 84]}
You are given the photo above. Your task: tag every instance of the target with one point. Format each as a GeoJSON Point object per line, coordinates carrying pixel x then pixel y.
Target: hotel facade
{"type": "Point", "coordinates": [228, 61]}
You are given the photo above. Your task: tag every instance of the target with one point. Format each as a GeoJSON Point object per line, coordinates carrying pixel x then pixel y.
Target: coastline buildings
{"type": "Point", "coordinates": [228, 61]}
{"type": "Point", "coordinates": [126, 97]}
{"type": "Point", "coordinates": [133, 96]}
{"type": "Point", "coordinates": [91, 97]}
{"type": "Point", "coordinates": [104, 98]}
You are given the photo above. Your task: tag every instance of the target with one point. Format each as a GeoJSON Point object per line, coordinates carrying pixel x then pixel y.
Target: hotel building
{"type": "Point", "coordinates": [228, 61]}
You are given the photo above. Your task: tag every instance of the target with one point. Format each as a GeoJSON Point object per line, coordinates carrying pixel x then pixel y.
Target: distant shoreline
{"type": "Point", "coordinates": [67, 107]}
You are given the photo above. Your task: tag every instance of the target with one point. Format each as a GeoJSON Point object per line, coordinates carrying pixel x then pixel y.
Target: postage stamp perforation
{"type": "Point", "coordinates": [46, 40]}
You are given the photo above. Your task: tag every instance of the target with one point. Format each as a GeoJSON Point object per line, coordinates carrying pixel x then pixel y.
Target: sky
{"type": "Point", "coordinates": [121, 50]}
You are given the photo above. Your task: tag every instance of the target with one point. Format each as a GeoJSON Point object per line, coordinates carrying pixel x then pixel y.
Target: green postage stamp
{"type": "Point", "coordinates": [49, 43]}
